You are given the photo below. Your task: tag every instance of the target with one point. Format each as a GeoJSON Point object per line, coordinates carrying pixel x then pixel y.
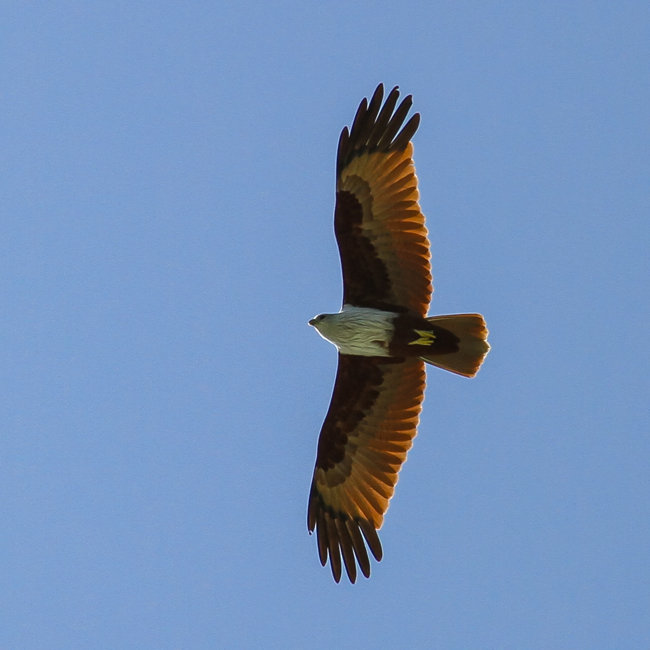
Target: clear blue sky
{"type": "Point", "coordinates": [167, 200]}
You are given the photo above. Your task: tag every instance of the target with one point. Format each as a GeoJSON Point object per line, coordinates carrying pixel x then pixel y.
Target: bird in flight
{"type": "Point", "coordinates": [382, 333]}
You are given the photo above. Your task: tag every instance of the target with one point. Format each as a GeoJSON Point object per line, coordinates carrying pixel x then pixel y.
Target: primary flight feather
{"type": "Point", "coordinates": [382, 333]}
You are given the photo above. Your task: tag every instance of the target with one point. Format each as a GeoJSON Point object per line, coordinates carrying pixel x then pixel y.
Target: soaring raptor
{"type": "Point", "coordinates": [382, 333]}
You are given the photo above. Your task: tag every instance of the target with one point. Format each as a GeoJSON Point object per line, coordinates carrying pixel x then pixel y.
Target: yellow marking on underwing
{"type": "Point", "coordinates": [426, 338]}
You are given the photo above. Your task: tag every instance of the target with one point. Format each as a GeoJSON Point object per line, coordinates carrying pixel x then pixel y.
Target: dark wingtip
{"type": "Point", "coordinates": [340, 540]}
{"type": "Point", "coordinates": [379, 124]}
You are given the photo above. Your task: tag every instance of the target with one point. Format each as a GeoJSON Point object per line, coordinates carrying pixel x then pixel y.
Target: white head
{"type": "Point", "coordinates": [321, 323]}
{"type": "Point", "coordinates": [357, 330]}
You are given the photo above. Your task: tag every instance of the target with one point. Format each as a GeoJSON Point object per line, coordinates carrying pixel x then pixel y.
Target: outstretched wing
{"type": "Point", "coordinates": [367, 432]}
{"type": "Point", "coordinates": [378, 223]}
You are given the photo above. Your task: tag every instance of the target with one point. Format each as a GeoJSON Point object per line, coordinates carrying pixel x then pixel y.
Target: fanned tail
{"type": "Point", "coordinates": [472, 346]}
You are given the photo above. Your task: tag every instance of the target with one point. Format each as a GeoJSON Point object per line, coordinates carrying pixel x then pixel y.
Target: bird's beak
{"type": "Point", "coordinates": [312, 321]}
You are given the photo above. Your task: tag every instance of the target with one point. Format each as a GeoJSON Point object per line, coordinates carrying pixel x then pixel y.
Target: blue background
{"type": "Point", "coordinates": [167, 200]}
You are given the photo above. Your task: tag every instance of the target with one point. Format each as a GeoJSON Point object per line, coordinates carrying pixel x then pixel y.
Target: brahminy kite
{"type": "Point", "coordinates": [382, 333]}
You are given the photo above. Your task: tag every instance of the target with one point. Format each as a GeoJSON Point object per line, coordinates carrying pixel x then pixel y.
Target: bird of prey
{"type": "Point", "coordinates": [382, 333]}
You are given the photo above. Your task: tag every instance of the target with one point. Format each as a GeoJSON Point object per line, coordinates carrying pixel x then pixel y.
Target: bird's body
{"type": "Point", "coordinates": [361, 331]}
{"type": "Point", "coordinates": [382, 333]}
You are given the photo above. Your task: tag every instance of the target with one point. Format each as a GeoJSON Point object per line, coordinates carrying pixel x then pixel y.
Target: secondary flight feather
{"type": "Point", "coordinates": [382, 333]}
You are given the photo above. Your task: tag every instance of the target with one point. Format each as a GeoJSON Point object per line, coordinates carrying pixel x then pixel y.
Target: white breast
{"type": "Point", "coordinates": [358, 330]}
